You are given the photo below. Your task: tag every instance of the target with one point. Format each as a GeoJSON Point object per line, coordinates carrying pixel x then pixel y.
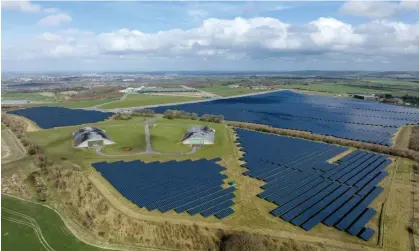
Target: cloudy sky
{"type": "Point", "coordinates": [228, 36]}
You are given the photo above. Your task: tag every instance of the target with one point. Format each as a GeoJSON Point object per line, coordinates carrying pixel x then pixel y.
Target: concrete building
{"type": "Point", "coordinates": [91, 137]}
{"type": "Point", "coordinates": [233, 86]}
{"type": "Point", "coordinates": [165, 90]}
{"type": "Point", "coordinates": [199, 135]}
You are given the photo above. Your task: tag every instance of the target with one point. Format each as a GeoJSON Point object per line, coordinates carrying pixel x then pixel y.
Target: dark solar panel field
{"type": "Point", "coordinates": [49, 117]}
{"type": "Point", "coordinates": [186, 186]}
{"type": "Point", "coordinates": [344, 118]}
{"type": "Point", "coordinates": [307, 189]}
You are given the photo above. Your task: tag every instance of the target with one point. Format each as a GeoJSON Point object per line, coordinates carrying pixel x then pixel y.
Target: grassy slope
{"type": "Point", "coordinates": [225, 91]}
{"type": "Point", "coordinates": [143, 99]}
{"type": "Point", "coordinates": [166, 138]}
{"type": "Point", "coordinates": [3, 126]}
{"type": "Point", "coordinates": [53, 228]}
{"type": "Point", "coordinates": [125, 136]}
{"type": "Point", "coordinates": [18, 237]}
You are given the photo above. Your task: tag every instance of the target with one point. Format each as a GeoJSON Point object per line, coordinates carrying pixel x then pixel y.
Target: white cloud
{"type": "Point", "coordinates": [219, 40]}
{"type": "Point", "coordinates": [371, 9]}
{"type": "Point", "coordinates": [329, 31]}
{"type": "Point", "coordinates": [378, 9]}
{"type": "Point", "coordinates": [51, 10]}
{"type": "Point", "coordinates": [410, 5]}
{"type": "Point", "coordinates": [24, 6]}
{"type": "Point", "coordinates": [55, 19]}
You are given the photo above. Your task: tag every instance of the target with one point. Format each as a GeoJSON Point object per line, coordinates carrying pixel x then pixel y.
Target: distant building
{"type": "Point", "coordinates": [259, 87]}
{"type": "Point", "coordinates": [165, 90]}
{"type": "Point", "coordinates": [233, 86]}
{"type": "Point", "coordinates": [365, 97]}
{"type": "Point", "coordinates": [199, 135]}
{"type": "Point", "coordinates": [91, 137]}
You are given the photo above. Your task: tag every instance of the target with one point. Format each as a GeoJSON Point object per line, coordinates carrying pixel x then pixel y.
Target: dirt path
{"type": "Point", "coordinates": [11, 148]}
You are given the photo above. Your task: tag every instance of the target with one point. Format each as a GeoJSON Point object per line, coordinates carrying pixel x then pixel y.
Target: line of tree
{"type": "Point", "coordinates": [133, 114]}
{"type": "Point", "coordinates": [179, 114]}
{"type": "Point", "coordinates": [405, 153]}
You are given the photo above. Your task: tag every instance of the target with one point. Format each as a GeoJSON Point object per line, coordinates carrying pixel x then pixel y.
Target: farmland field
{"type": "Point", "coordinates": [20, 218]}
{"type": "Point", "coordinates": [133, 100]}
{"type": "Point", "coordinates": [344, 88]}
{"type": "Point", "coordinates": [226, 91]}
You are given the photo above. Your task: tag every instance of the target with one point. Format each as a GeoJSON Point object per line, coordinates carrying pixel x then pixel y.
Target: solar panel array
{"type": "Point", "coordinates": [192, 186]}
{"type": "Point", "coordinates": [340, 117]}
{"type": "Point", "coordinates": [307, 189]}
{"type": "Point", "coordinates": [49, 117]}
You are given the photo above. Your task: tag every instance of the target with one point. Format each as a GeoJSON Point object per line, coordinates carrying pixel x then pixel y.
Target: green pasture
{"type": "Point", "coordinates": [133, 100]}
{"type": "Point", "coordinates": [226, 91]}
{"type": "Point", "coordinates": [18, 236]}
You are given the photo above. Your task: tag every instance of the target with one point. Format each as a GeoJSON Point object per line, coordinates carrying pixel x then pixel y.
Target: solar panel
{"type": "Point", "coordinates": [187, 185]}
{"type": "Point", "coordinates": [306, 188]}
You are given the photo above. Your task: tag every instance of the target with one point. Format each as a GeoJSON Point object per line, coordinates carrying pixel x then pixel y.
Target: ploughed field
{"type": "Point", "coordinates": [340, 117]}
{"type": "Point", "coordinates": [307, 189]}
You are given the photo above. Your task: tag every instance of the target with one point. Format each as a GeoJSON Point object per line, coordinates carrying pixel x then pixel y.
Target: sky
{"type": "Point", "coordinates": [209, 36]}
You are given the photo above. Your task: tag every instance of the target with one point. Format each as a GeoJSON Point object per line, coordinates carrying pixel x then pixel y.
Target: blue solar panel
{"type": "Point", "coordinates": [224, 213]}
{"type": "Point", "coordinates": [217, 208]}
{"type": "Point", "coordinates": [307, 189]}
{"type": "Point", "coordinates": [309, 216]}
{"type": "Point", "coordinates": [168, 185]}
{"type": "Point", "coordinates": [338, 214]}
{"type": "Point", "coordinates": [367, 234]}
{"type": "Point", "coordinates": [340, 117]}
{"type": "Point", "coordinates": [49, 117]}
{"type": "Point", "coordinates": [356, 228]}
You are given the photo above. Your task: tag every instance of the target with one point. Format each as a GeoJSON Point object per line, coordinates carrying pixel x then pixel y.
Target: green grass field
{"type": "Point", "coordinates": [34, 96]}
{"type": "Point", "coordinates": [133, 100]}
{"type": "Point", "coordinates": [18, 236]}
{"type": "Point", "coordinates": [130, 135]}
{"type": "Point", "coordinates": [85, 103]}
{"type": "Point", "coordinates": [166, 138]}
{"type": "Point", "coordinates": [58, 142]}
{"type": "Point", "coordinates": [226, 92]}
{"type": "Point", "coordinates": [345, 89]}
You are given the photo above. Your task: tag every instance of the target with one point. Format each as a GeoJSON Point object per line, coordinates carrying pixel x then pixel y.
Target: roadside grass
{"type": "Point", "coordinates": [3, 126]}
{"type": "Point", "coordinates": [226, 91]}
{"type": "Point", "coordinates": [133, 100]}
{"type": "Point", "coordinates": [398, 208]}
{"type": "Point", "coordinates": [49, 222]}
{"type": "Point", "coordinates": [11, 149]}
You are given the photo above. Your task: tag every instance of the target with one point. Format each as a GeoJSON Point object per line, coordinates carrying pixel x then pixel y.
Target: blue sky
{"type": "Point", "coordinates": [103, 36]}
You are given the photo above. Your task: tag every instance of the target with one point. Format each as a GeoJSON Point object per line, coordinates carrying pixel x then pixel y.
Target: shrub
{"type": "Point", "coordinates": [242, 242]}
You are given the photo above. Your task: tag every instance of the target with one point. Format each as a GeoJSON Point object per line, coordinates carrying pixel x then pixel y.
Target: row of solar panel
{"type": "Point", "coordinates": [309, 190]}
{"type": "Point", "coordinates": [192, 186]}
{"type": "Point", "coordinates": [310, 113]}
